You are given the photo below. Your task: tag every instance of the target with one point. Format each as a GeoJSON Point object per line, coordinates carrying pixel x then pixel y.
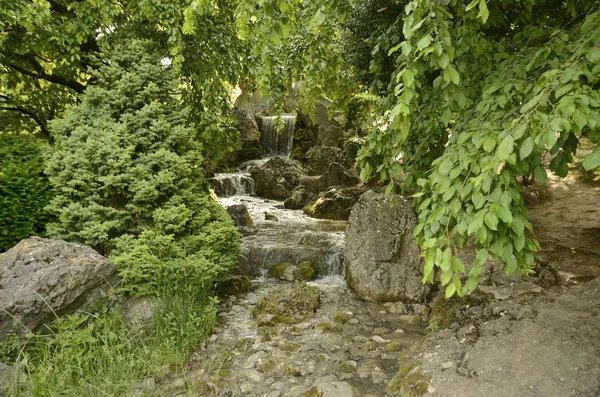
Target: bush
{"type": "Point", "coordinates": [127, 170]}
{"type": "Point", "coordinates": [24, 190]}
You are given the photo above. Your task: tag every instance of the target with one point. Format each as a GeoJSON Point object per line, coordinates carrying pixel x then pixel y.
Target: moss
{"type": "Point", "coordinates": [268, 366]}
{"type": "Point", "coordinates": [223, 373]}
{"type": "Point", "coordinates": [340, 318]}
{"type": "Point", "coordinates": [306, 271]}
{"type": "Point", "coordinates": [290, 346]}
{"type": "Point", "coordinates": [346, 366]}
{"type": "Point", "coordinates": [267, 334]}
{"type": "Point", "coordinates": [233, 285]}
{"type": "Point", "coordinates": [278, 271]}
{"type": "Point", "coordinates": [244, 344]}
{"type": "Point", "coordinates": [285, 305]}
{"type": "Point", "coordinates": [312, 392]}
{"type": "Point", "coordinates": [393, 347]}
{"type": "Point", "coordinates": [291, 371]}
{"type": "Point", "coordinates": [370, 346]}
{"type": "Point", "coordinates": [409, 380]}
{"type": "Point", "coordinates": [444, 310]}
{"type": "Point", "coordinates": [329, 327]}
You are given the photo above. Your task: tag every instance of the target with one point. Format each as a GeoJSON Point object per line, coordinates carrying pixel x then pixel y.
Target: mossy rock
{"type": "Point", "coordinates": [278, 271]}
{"type": "Point", "coordinates": [233, 285]}
{"type": "Point", "coordinates": [409, 381]}
{"type": "Point", "coordinates": [370, 346]}
{"type": "Point", "coordinates": [444, 310]}
{"type": "Point", "coordinates": [312, 392]}
{"type": "Point", "coordinates": [393, 347]}
{"type": "Point", "coordinates": [305, 271]}
{"type": "Point", "coordinates": [299, 300]}
{"type": "Point", "coordinates": [340, 318]}
{"type": "Point", "coordinates": [329, 327]}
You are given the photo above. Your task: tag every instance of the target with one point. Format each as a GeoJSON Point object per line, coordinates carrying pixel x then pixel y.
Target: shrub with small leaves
{"type": "Point", "coordinates": [127, 170]}
{"type": "Point", "coordinates": [24, 190]}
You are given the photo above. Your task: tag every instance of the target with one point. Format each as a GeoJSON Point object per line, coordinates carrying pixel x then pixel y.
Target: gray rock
{"type": "Point", "coordinates": [40, 277]}
{"type": "Point", "coordinates": [330, 135]}
{"type": "Point", "coordinates": [226, 185]}
{"type": "Point", "coordinates": [276, 178]}
{"type": "Point", "coordinates": [270, 217]}
{"type": "Point", "coordinates": [503, 292]}
{"type": "Point", "coordinates": [330, 387]}
{"type": "Point", "coordinates": [383, 260]}
{"type": "Point", "coordinates": [318, 158]}
{"type": "Point", "coordinates": [249, 135]}
{"type": "Point", "coordinates": [335, 203]}
{"type": "Point", "coordinates": [336, 175]}
{"type": "Point", "coordinates": [6, 377]}
{"type": "Point", "coordinates": [242, 219]}
{"type": "Point", "coordinates": [139, 313]}
{"type": "Point", "coordinates": [300, 196]}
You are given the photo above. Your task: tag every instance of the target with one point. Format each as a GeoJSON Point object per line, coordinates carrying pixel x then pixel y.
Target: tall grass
{"type": "Point", "coordinates": [98, 355]}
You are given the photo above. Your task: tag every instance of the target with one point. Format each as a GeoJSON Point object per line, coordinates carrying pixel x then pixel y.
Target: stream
{"type": "Point", "coordinates": [348, 345]}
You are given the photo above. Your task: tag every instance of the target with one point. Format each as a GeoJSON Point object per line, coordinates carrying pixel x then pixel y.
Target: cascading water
{"type": "Point", "coordinates": [232, 184]}
{"type": "Point", "coordinates": [276, 141]}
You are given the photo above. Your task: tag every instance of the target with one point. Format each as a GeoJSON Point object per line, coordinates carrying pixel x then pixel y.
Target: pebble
{"type": "Point", "coordinates": [246, 388]}
{"type": "Point", "coordinates": [359, 339]}
{"type": "Point", "coordinates": [378, 339]}
{"type": "Point", "coordinates": [447, 364]}
{"type": "Point", "coordinates": [353, 321]}
{"type": "Point", "coordinates": [273, 393]}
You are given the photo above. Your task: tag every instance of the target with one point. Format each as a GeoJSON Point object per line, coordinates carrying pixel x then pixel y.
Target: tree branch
{"type": "Point", "coordinates": [52, 78]}
{"type": "Point", "coordinates": [32, 115]}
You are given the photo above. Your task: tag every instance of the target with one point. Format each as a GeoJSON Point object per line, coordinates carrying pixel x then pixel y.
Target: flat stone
{"type": "Point", "coordinates": [379, 339]}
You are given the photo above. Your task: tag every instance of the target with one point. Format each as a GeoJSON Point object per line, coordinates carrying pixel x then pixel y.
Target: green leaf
{"type": "Point", "coordinates": [592, 160]}
{"type": "Point", "coordinates": [489, 144]}
{"type": "Point", "coordinates": [471, 5]}
{"type": "Point", "coordinates": [484, 13]}
{"type": "Point", "coordinates": [526, 148]}
{"type": "Point", "coordinates": [450, 290]}
{"type": "Point", "coordinates": [540, 174]}
{"type": "Point", "coordinates": [506, 148]}
{"type": "Point", "coordinates": [445, 277]}
{"type": "Point", "coordinates": [445, 166]}
{"type": "Point", "coordinates": [424, 42]}
{"type": "Point", "coordinates": [443, 60]}
{"type": "Point", "coordinates": [408, 77]}
{"type": "Point", "coordinates": [451, 75]}
{"type": "Point", "coordinates": [491, 221]}
{"type": "Point", "coordinates": [593, 55]}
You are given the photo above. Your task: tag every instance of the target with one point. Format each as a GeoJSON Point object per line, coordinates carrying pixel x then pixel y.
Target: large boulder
{"type": "Point", "coordinates": [330, 135]}
{"type": "Point", "coordinates": [276, 178]}
{"type": "Point", "coordinates": [249, 135]}
{"type": "Point", "coordinates": [318, 158]}
{"type": "Point", "coordinates": [337, 175]}
{"type": "Point", "coordinates": [41, 278]}
{"type": "Point", "coordinates": [242, 219]}
{"type": "Point", "coordinates": [335, 203]}
{"type": "Point", "coordinates": [383, 260]}
{"type": "Point", "coordinates": [300, 196]}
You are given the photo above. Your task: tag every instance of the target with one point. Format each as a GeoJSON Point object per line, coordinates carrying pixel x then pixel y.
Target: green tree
{"type": "Point", "coordinates": [126, 167]}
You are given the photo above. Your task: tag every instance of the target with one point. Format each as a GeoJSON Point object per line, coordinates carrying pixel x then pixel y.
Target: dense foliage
{"type": "Point", "coordinates": [24, 190]}
{"type": "Point", "coordinates": [127, 171]}
{"type": "Point", "coordinates": [476, 103]}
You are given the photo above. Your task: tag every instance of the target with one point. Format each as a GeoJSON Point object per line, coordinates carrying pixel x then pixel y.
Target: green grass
{"type": "Point", "coordinates": [97, 355]}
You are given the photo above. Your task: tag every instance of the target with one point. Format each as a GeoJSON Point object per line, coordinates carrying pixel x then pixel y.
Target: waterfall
{"type": "Point", "coordinates": [234, 184]}
{"type": "Point", "coordinates": [273, 141]}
